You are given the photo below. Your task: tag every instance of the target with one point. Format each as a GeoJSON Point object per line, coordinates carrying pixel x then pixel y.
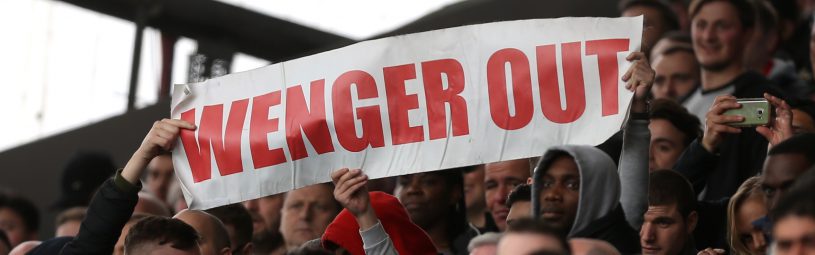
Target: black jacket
{"type": "Point", "coordinates": [739, 156]}
{"type": "Point", "coordinates": [107, 214]}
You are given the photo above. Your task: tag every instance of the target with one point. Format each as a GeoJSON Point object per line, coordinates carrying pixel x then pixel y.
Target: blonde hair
{"type": "Point", "coordinates": [750, 188]}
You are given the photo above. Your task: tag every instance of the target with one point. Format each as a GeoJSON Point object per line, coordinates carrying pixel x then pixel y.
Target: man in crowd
{"type": "Point", "coordinates": [677, 73]}
{"type": "Point", "coordinates": [794, 227]}
{"type": "Point", "coordinates": [671, 217]}
{"type": "Point", "coordinates": [785, 163]}
{"type": "Point", "coordinates": [477, 213]}
{"type": "Point", "coordinates": [720, 31]}
{"type": "Point", "coordinates": [238, 225]}
{"type": "Point", "coordinates": [265, 212]}
{"type": "Point", "coordinates": [659, 19]}
{"type": "Point", "coordinates": [19, 218]}
{"type": "Point", "coordinates": [214, 237]}
{"type": "Point", "coordinates": [572, 176]}
{"type": "Point", "coordinates": [761, 51]}
{"type": "Point", "coordinates": [306, 213]}
{"type": "Point", "coordinates": [499, 180]}
{"type": "Point", "coordinates": [161, 235]}
{"type": "Point", "coordinates": [528, 236]}
{"type": "Point", "coordinates": [519, 202]}
{"type": "Point", "coordinates": [672, 130]}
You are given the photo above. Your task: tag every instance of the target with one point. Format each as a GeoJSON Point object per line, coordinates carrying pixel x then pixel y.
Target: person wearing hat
{"type": "Point", "coordinates": [81, 177]}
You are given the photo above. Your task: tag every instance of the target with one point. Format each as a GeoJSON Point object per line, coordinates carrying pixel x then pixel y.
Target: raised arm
{"type": "Point", "coordinates": [633, 168]}
{"type": "Point", "coordinates": [113, 204]}
{"type": "Point", "coordinates": [351, 191]}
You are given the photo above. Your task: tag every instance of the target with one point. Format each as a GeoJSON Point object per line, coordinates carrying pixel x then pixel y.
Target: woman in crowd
{"type": "Point", "coordinates": [745, 207]}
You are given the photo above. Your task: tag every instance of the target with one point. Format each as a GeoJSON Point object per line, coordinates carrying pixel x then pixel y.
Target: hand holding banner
{"type": "Point", "coordinates": [399, 105]}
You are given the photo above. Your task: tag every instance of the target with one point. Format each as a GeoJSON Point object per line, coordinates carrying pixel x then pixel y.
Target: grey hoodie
{"type": "Point", "coordinates": [611, 204]}
{"type": "Point", "coordinates": [599, 183]}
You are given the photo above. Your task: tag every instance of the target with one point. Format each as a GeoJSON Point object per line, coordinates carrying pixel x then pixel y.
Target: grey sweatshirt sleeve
{"type": "Point", "coordinates": [633, 170]}
{"type": "Point", "coordinates": [376, 241]}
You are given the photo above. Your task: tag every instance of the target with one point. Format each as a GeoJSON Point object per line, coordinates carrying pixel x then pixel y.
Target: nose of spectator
{"type": "Point", "coordinates": [647, 234]}
{"type": "Point", "coordinates": [554, 193]}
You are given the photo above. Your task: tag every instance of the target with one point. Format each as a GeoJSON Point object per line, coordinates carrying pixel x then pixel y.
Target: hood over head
{"type": "Point", "coordinates": [599, 183]}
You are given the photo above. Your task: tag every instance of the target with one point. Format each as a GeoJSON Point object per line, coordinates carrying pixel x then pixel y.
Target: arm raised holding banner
{"type": "Point", "coordinates": [633, 167]}
{"type": "Point", "coordinates": [351, 191]}
{"type": "Point", "coordinates": [113, 204]}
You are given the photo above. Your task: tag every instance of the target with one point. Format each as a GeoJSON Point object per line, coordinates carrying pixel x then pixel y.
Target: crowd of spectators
{"type": "Point", "coordinates": [681, 177]}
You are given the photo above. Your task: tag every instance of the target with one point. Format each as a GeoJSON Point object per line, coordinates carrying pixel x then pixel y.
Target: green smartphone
{"type": "Point", "coordinates": [756, 112]}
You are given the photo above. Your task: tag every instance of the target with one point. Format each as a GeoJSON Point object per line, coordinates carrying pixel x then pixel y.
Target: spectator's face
{"type": "Point", "coordinates": [780, 171]}
{"type": "Point", "coordinates": [752, 209]}
{"type": "Point", "coordinates": [427, 198]}
{"type": "Point", "coordinates": [474, 189]}
{"type": "Point", "coordinates": [653, 28]}
{"type": "Point", "coordinates": [794, 235]}
{"type": "Point", "coordinates": [676, 75]}
{"type": "Point", "coordinates": [12, 223]}
{"type": "Point", "coordinates": [68, 228]}
{"type": "Point", "coordinates": [159, 176]}
{"type": "Point", "coordinates": [718, 36]}
{"type": "Point", "coordinates": [265, 212]}
{"type": "Point", "coordinates": [499, 180]}
{"type": "Point", "coordinates": [802, 122]}
{"type": "Point", "coordinates": [667, 144]}
{"type": "Point", "coordinates": [664, 230]}
{"type": "Point", "coordinates": [306, 213]}
{"type": "Point", "coordinates": [529, 243]}
{"type": "Point", "coordinates": [519, 210]}
{"type": "Point", "coordinates": [560, 193]}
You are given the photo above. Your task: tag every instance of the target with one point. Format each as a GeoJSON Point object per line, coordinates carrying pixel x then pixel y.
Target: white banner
{"type": "Point", "coordinates": [405, 104]}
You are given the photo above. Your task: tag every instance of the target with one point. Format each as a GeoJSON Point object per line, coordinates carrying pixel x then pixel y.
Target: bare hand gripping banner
{"type": "Point", "coordinates": [405, 104]}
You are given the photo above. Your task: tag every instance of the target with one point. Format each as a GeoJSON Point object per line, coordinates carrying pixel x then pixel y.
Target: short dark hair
{"type": "Point", "coordinates": [239, 218]}
{"type": "Point", "coordinates": [161, 230]}
{"type": "Point", "coordinates": [747, 14]}
{"type": "Point", "coordinates": [669, 18]}
{"type": "Point", "coordinates": [532, 226]}
{"type": "Point", "coordinates": [678, 36]}
{"type": "Point", "coordinates": [667, 187]}
{"type": "Point", "coordinates": [23, 208]}
{"type": "Point", "coordinates": [803, 144]}
{"type": "Point", "coordinates": [678, 116]}
{"type": "Point", "coordinates": [679, 49]}
{"type": "Point", "coordinates": [795, 203]}
{"type": "Point", "coordinates": [522, 192]}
